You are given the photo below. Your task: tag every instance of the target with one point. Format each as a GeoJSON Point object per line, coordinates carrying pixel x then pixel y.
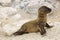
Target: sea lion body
{"type": "Point", "coordinates": [36, 25]}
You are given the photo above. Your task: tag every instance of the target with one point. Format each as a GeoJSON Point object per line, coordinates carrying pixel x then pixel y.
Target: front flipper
{"type": "Point", "coordinates": [42, 29]}
{"type": "Point", "coordinates": [48, 26]}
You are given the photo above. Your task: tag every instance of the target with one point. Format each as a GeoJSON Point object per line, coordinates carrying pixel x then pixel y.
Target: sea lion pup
{"type": "Point", "coordinates": [36, 25]}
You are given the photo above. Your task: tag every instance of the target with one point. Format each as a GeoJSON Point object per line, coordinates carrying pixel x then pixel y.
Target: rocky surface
{"type": "Point", "coordinates": [14, 13]}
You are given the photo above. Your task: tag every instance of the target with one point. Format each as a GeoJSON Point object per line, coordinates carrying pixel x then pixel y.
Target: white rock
{"type": "Point", "coordinates": [7, 11]}
{"type": "Point", "coordinates": [5, 1]}
{"type": "Point", "coordinates": [9, 29]}
{"type": "Point", "coordinates": [16, 17]}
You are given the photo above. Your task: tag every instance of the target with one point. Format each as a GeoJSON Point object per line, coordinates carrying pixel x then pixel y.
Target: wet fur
{"type": "Point", "coordinates": [36, 25]}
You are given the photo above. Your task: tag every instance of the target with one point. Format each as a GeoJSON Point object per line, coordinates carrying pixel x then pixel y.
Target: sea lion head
{"type": "Point", "coordinates": [44, 9]}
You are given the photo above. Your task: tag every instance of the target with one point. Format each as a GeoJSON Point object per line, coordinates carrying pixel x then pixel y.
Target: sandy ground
{"type": "Point", "coordinates": [52, 34]}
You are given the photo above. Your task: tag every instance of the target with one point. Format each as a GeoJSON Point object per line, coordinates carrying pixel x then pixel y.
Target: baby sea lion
{"type": "Point", "coordinates": [36, 25]}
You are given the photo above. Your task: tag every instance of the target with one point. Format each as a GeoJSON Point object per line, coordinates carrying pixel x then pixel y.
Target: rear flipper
{"type": "Point", "coordinates": [48, 26]}
{"type": "Point", "coordinates": [19, 33]}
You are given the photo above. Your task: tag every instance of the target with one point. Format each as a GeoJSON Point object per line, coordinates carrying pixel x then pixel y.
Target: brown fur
{"type": "Point", "coordinates": [36, 25]}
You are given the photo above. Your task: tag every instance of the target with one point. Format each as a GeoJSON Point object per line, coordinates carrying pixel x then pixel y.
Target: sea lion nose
{"type": "Point", "coordinates": [48, 10]}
